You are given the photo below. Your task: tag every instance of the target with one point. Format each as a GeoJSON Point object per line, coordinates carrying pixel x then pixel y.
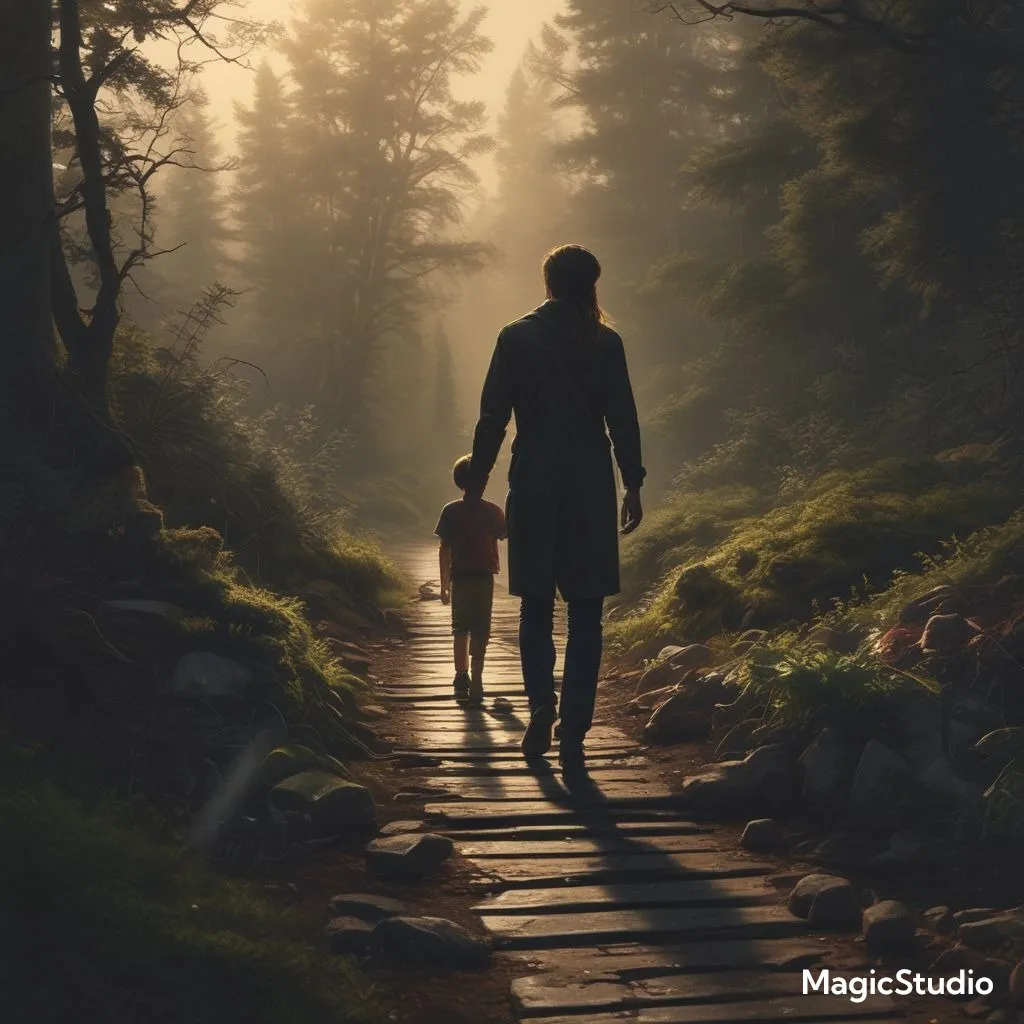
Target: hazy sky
{"type": "Point", "coordinates": [511, 24]}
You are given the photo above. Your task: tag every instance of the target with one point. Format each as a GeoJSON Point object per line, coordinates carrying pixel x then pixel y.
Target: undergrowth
{"type": "Point", "coordinates": [727, 565]}
{"type": "Point", "coordinates": [106, 920]}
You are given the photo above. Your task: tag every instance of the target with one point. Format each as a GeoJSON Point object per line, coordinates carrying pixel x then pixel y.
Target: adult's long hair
{"type": "Point", "coordinates": [570, 275]}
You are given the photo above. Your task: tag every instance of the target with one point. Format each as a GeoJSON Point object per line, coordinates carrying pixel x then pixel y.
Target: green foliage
{"type": "Point", "coordinates": [798, 684]}
{"type": "Point", "coordinates": [107, 920]}
{"type": "Point", "coordinates": [268, 486]}
{"type": "Point", "coordinates": [773, 563]}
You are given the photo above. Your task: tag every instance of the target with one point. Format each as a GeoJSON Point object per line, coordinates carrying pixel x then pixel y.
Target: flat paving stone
{"type": "Point", "coordinates": [632, 961]}
{"type": "Point", "coordinates": [544, 995]}
{"type": "Point", "coordinates": [576, 846]}
{"type": "Point", "coordinates": [799, 1008]}
{"type": "Point", "coordinates": [534, 872]}
{"type": "Point", "coordinates": [594, 927]}
{"type": "Point", "coordinates": [569, 900]}
{"type": "Point", "coordinates": [592, 830]}
{"type": "Point", "coordinates": [510, 812]}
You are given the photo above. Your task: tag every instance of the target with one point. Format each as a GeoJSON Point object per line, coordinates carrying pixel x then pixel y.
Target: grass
{"type": "Point", "coordinates": [846, 533]}
{"type": "Point", "coordinates": [105, 921]}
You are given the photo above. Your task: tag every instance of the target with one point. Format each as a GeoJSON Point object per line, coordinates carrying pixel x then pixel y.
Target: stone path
{"type": "Point", "coordinates": [621, 907]}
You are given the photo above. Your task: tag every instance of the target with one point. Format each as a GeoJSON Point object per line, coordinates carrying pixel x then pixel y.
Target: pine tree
{"type": "Point", "coordinates": [191, 220]}
{"type": "Point", "coordinates": [381, 153]}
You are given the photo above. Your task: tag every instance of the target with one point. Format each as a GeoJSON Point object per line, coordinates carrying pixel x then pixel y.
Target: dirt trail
{"type": "Point", "coordinates": [606, 903]}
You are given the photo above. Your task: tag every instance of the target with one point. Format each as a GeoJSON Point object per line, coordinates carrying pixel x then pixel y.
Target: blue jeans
{"type": "Point", "coordinates": [582, 659]}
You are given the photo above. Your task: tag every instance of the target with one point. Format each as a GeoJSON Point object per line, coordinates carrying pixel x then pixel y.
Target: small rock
{"type": "Point", "coordinates": [973, 914]}
{"type": "Point", "coordinates": [880, 781]}
{"type": "Point", "coordinates": [348, 935]}
{"type": "Point", "coordinates": [427, 942]}
{"type": "Point", "coordinates": [208, 675]}
{"type": "Point", "coordinates": [992, 932]}
{"type": "Point", "coordinates": [366, 907]}
{"type": "Point", "coordinates": [921, 609]}
{"type": "Point", "coordinates": [889, 927]}
{"type": "Point", "coordinates": [764, 835]}
{"type": "Point", "coordinates": [961, 958]}
{"type": "Point", "coordinates": [333, 805]}
{"type": "Point", "coordinates": [660, 676]}
{"type": "Point", "coordinates": [978, 1008]}
{"type": "Point", "coordinates": [946, 634]}
{"type": "Point", "coordinates": [283, 762]}
{"type": "Point", "coordinates": [825, 901]}
{"type": "Point", "coordinates": [410, 856]}
{"type": "Point", "coordinates": [670, 651]}
{"type": "Point", "coordinates": [939, 779]}
{"type": "Point", "coordinates": [939, 920]}
{"type": "Point", "coordinates": [1016, 985]}
{"type": "Point", "coordinates": [763, 775]}
{"type": "Point", "coordinates": [675, 721]}
{"type": "Point", "coordinates": [400, 828]}
{"type": "Point", "coordinates": [829, 764]}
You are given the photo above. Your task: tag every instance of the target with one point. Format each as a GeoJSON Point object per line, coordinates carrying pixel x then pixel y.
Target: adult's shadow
{"type": "Point", "coordinates": [673, 882]}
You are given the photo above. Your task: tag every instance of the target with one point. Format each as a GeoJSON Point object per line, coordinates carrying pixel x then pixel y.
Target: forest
{"type": "Point", "coordinates": [238, 361]}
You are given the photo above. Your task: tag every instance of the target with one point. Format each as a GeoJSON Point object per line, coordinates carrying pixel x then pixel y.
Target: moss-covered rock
{"type": "Point", "coordinates": [331, 804]}
{"type": "Point", "coordinates": [285, 761]}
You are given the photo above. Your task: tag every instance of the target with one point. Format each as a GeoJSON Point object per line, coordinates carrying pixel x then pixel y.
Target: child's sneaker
{"type": "Point", "coordinates": [476, 692]}
{"type": "Point", "coordinates": [461, 685]}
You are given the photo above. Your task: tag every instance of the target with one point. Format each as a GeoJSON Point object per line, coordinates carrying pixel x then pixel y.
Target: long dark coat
{"type": "Point", "coordinates": [562, 507]}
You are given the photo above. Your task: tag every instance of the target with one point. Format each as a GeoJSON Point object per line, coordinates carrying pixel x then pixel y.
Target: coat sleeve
{"type": "Point", "coordinates": [621, 418]}
{"type": "Point", "coordinates": [495, 412]}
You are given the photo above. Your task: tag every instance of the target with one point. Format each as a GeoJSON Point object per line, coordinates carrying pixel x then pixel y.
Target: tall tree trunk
{"type": "Point", "coordinates": [27, 358]}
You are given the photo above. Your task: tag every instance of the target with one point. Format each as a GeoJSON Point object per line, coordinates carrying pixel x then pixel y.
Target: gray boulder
{"type": "Point", "coordinates": [764, 835]}
{"type": "Point", "coordinates": [1016, 985]}
{"type": "Point", "coordinates": [675, 668]}
{"type": "Point", "coordinates": [939, 779]}
{"type": "Point", "coordinates": [939, 920]}
{"type": "Point", "coordinates": [348, 936]}
{"type": "Point", "coordinates": [331, 804]}
{"type": "Point", "coordinates": [881, 780]}
{"type": "Point", "coordinates": [676, 721]}
{"type": "Point", "coordinates": [764, 775]}
{"type": "Point", "coordinates": [400, 828]}
{"type": "Point", "coordinates": [973, 914]}
{"type": "Point", "coordinates": [366, 907]}
{"type": "Point", "coordinates": [991, 933]}
{"type": "Point", "coordinates": [829, 764]}
{"type": "Point", "coordinates": [408, 856]}
{"type": "Point", "coordinates": [427, 942]}
{"type": "Point", "coordinates": [889, 927]}
{"type": "Point", "coordinates": [946, 634]}
{"type": "Point", "coordinates": [210, 676]}
{"type": "Point", "coordinates": [826, 901]}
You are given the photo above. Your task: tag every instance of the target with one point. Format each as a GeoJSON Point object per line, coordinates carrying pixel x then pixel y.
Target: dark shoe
{"type": "Point", "coordinates": [476, 692]}
{"type": "Point", "coordinates": [571, 758]}
{"type": "Point", "coordinates": [461, 685]}
{"type": "Point", "coordinates": [537, 738]}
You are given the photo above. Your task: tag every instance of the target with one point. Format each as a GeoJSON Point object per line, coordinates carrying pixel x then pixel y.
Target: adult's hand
{"type": "Point", "coordinates": [632, 512]}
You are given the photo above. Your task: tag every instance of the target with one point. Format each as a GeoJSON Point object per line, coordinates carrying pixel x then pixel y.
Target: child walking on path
{"type": "Point", "coordinates": [469, 529]}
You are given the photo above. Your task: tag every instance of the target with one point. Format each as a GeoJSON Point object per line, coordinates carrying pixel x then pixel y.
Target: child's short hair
{"type": "Point", "coordinates": [460, 472]}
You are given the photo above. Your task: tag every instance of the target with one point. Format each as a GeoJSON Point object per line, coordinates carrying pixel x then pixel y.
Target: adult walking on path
{"type": "Point", "coordinates": [562, 371]}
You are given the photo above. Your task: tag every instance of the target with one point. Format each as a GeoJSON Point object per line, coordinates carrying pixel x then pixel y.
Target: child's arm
{"type": "Point", "coordinates": [445, 559]}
